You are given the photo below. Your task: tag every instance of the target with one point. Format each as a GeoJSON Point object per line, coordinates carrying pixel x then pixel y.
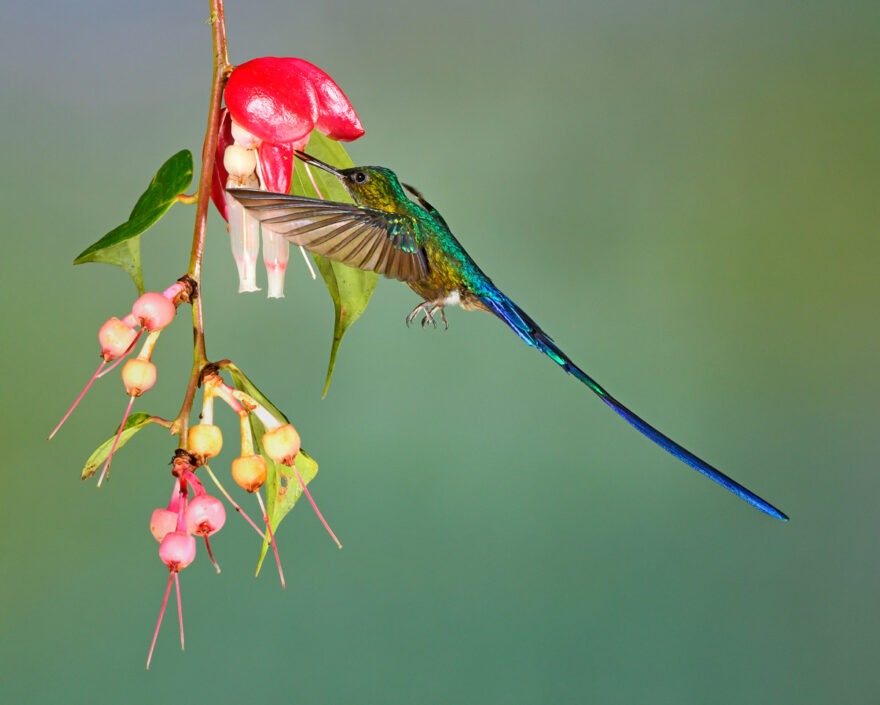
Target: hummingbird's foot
{"type": "Point", "coordinates": [421, 308]}
{"type": "Point", "coordinates": [428, 309]}
{"type": "Point", "coordinates": [442, 310]}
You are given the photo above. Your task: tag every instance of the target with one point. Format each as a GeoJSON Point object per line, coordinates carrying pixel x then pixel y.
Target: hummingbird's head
{"type": "Point", "coordinates": [373, 186]}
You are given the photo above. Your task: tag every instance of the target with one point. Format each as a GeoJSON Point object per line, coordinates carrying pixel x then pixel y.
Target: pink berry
{"type": "Point", "coordinates": [162, 523]}
{"type": "Point", "coordinates": [177, 550]}
{"type": "Point", "coordinates": [153, 310]}
{"type": "Point", "coordinates": [115, 338]}
{"type": "Point", "coordinates": [138, 376]}
{"type": "Point", "coordinates": [205, 515]}
{"type": "Point", "coordinates": [282, 444]}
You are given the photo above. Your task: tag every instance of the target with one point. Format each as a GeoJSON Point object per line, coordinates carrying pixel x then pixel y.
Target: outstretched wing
{"type": "Point", "coordinates": [365, 238]}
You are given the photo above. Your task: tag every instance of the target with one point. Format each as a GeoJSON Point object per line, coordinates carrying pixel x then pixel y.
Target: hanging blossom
{"type": "Point", "coordinates": [272, 105]}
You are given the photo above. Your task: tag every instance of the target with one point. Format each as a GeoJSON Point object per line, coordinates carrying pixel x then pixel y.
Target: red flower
{"type": "Point", "coordinates": [280, 100]}
{"type": "Point", "coordinates": [272, 106]}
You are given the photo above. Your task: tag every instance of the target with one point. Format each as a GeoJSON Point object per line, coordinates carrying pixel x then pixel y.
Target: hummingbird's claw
{"type": "Point", "coordinates": [428, 309]}
{"type": "Point", "coordinates": [412, 314]}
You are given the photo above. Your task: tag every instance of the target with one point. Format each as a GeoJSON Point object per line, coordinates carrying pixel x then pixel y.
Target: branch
{"type": "Point", "coordinates": [212, 133]}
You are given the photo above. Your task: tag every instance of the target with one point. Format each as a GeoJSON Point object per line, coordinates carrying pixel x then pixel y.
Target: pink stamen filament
{"type": "Point", "coordinates": [271, 537]}
{"type": "Point", "coordinates": [314, 183]}
{"type": "Point", "coordinates": [179, 606]}
{"type": "Point", "coordinates": [234, 504]}
{"type": "Point", "coordinates": [211, 554]}
{"type": "Point", "coordinates": [106, 467]}
{"type": "Point", "coordinates": [315, 506]}
{"type": "Point", "coordinates": [321, 196]}
{"type": "Point", "coordinates": [305, 256]}
{"type": "Point", "coordinates": [159, 621]}
{"type": "Point", "coordinates": [78, 399]}
{"type": "Point", "coordinates": [124, 355]}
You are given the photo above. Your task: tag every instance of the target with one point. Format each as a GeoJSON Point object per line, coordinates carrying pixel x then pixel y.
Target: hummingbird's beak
{"type": "Point", "coordinates": [308, 159]}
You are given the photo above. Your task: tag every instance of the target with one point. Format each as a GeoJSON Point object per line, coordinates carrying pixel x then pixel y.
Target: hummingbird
{"type": "Point", "coordinates": [393, 230]}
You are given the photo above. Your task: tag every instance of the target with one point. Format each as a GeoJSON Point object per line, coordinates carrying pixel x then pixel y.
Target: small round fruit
{"type": "Point", "coordinates": [162, 523]}
{"type": "Point", "coordinates": [153, 311]}
{"type": "Point", "coordinates": [115, 338]}
{"type": "Point", "coordinates": [249, 472]}
{"type": "Point", "coordinates": [204, 440]}
{"type": "Point", "coordinates": [177, 550]}
{"type": "Point", "coordinates": [205, 515]}
{"type": "Point", "coordinates": [282, 444]}
{"type": "Point", "coordinates": [138, 376]}
{"type": "Point", "coordinates": [239, 161]}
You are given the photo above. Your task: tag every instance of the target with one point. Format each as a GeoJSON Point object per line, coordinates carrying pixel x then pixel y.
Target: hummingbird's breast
{"type": "Point", "coordinates": [463, 298]}
{"type": "Point", "coordinates": [446, 290]}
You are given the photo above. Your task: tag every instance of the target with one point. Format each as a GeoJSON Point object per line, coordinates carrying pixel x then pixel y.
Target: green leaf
{"type": "Point", "coordinates": [133, 424]}
{"type": "Point", "coordinates": [282, 486]}
{"type": "Point", "coordinates": [349, 288]}
{"type": "Point", "coordinates": [121, 246]}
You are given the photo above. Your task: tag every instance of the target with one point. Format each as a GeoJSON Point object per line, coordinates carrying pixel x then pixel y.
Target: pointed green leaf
{"type": "Point", "coordinates": [349, 288]}
{"type": "Point", "coordinates": [121, 246]}
{"type": "Point", "coordinates": [126, 254]}
{"type": "Point", "coordinates": [282, 486]}
{"type": "Point", "coordinates": [133, 424]}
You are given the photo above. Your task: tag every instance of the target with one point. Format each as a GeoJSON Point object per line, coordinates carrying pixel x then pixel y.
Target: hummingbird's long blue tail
{"type": "Point", "coordinates": [526, 328]}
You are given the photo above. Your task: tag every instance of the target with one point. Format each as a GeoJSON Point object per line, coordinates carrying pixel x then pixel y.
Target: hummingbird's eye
{"type": "Point", "coordinates": [359, 177]}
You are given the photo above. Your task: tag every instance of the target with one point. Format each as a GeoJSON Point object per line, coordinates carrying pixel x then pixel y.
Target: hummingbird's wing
{"type": "Point", "coordinates": [365, 238]}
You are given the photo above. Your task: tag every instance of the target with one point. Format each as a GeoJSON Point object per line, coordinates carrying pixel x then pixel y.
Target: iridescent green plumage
{"type": "Point", "coordinates": [394, 231]}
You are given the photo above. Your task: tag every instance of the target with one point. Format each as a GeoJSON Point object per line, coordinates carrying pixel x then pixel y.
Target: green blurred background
{"type": "Point", "coordinates": [684, 194]}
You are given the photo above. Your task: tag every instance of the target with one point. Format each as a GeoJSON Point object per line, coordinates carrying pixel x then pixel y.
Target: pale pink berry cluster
{"type": "Point", "coordinates": [176, 525]}
{"type": "Point", "coordinates": [191, 512]}
{"type": "Point", "coordinates": [117, 337]}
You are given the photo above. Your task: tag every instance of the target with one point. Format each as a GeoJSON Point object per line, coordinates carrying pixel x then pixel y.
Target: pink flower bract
{"type": "Point", "coordinates": [281, 99]}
